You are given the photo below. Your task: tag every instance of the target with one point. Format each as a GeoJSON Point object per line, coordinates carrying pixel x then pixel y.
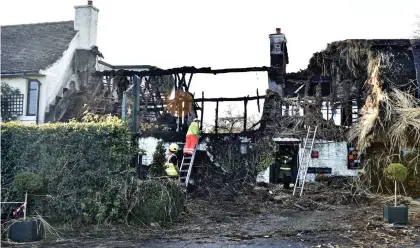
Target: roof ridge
{"type": "Point", "coordinates": [39, 23]}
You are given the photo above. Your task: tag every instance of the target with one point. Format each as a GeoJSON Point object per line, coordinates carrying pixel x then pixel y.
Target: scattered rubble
{"type": "Point", "coordinates": [331, 212]}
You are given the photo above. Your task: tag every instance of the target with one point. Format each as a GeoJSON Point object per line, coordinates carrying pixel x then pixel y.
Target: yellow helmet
{"type": "Point", "coordinates": [173, 147]}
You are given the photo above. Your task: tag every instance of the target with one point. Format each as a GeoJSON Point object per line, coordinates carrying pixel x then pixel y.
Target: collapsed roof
{"type": "Point", "coordinates": [335, 77]}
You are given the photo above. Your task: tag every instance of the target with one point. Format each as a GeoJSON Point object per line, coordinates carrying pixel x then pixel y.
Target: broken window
{"type": "Point", "coordinates": [350, 113]}
{"type": "Point", "coordinates": [355, 112]}
{"type": "Point", "coordinates": [291, 109]}
{"type": "Point", "coordinates": [329, 112]}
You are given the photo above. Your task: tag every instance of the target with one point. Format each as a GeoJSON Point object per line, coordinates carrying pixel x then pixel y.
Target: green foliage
{"type": "Point", "coordinates": [266, 159]}
{"type": "Point", "coordinates": [85, 167]}
{"type": "Point", "coordinates": [27, 182]}
{"type": "Point", "coordinates": [396, 172]}
{"type": "Point", "coordinates": [158, 201]}
{"type": "Point", "coordinates": [157, 168]}
{"type": "Point", "coordinates": [7, 91]}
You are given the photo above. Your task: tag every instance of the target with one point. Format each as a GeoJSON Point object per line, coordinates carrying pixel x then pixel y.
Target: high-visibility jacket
{"type": "Point", "coordinates": [170, 167]}
{"type": "Point", "coordinates": [193, 129]}
{"type": "Point", "coordinates": [285, 162]}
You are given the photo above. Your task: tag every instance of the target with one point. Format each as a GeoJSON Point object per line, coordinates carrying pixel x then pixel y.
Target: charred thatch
{"type": "Point", "coordinates": [335, 88]}
{"type": "Point", "coordinates": [347, 62]}
{"type": "Point", "coordinates": [390, 116]}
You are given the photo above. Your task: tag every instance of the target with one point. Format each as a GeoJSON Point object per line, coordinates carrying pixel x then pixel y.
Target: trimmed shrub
{"type": "Point", "coordinates": [27, 182]}
{"type": "Point", "coordinates": [396, 172]}
{"type": "Point", "coordinates": [85, 167]}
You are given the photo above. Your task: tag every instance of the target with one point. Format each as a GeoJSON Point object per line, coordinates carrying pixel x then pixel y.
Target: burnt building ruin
{"type": "Point", "coordinates": [329, 94]}
{"type": "Point", "coordinates": [333, 85]}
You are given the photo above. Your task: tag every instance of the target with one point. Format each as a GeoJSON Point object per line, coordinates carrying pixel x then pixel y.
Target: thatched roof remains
{"type": "Point", "coordinates": [348, 65]}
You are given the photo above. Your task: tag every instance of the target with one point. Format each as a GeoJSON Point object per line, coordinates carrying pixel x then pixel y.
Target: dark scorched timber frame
{"type": "Point", "coordinates": [146, 95]}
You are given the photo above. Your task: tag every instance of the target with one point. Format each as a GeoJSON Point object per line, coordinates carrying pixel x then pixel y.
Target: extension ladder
{"type": "Point", "coordinates": [304, 160]}
{"type": "Point", "coordinates": [186, 167]}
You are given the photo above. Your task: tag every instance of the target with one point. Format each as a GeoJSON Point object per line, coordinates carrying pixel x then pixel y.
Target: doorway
{"type": "Point", "coordinates": [282, 148]}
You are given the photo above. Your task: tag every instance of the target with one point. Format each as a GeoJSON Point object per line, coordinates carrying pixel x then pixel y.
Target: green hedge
{"type": "Point", "coordinates": [85, 168]}
{"type": "Point", "coordinates": [157, 201]}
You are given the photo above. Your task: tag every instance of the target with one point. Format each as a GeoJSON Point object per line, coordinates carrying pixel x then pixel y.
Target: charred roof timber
{"type": "Point", "coordinates": [185, 69]}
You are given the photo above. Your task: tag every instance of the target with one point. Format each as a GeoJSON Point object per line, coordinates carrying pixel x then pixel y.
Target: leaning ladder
{"type": "Point", "coordinates": [186, 167]}
{"type": "Point", "coordinates": [304, 160]}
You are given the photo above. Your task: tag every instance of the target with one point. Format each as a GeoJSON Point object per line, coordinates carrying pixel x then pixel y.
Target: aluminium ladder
{"type": "Point", "coordinates": [186, 167]}
{"type": "Point", "coordinates": [304, 160]}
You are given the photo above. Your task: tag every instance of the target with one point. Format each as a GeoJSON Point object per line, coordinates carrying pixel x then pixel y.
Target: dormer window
{"type": "Point", "coordinates": [32, 98]}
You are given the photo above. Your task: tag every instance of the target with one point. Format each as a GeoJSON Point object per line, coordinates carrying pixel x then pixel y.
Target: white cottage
{"type": "Point", "coordinates": [44, 61]}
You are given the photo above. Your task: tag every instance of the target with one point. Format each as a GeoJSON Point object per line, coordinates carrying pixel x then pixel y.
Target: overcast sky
{"type": "Point", "coordinates": [222, 34]}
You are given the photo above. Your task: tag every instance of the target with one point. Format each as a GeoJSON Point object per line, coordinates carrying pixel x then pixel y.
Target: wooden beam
{"type": "Point", "coordinates": [202, 109]}
{"type": "Point", "coordinates": [258, 101]}
{"type": "Point", "coordinates": [217, 117]}
{"type": "Point", "coordinates": [161, 72]}
{"type": "Point", "coordinates": [178, 100]}
{"type": "Point", "coordinates": [189, 82]}
{"type": "Point", "coordinates": [253, 126]}
{"type": "Point", "coordinates": [235, 99]}
{"type": "Point", "coordinates": [245, 113]}
{"type": "Point", "coordinates": [183, 82]}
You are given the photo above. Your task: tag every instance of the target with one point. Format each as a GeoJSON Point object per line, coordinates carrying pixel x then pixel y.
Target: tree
{"type": "Point", "coordinates": [157, 168]}
{"type": "Point", "coordinates": [6, 92]}
{"type": "Point", "coordinates": [232, 122]}
{"type": "Point", "coordinates": [27, 182]}
{"type": "Point", "coordinates": [397, 173]}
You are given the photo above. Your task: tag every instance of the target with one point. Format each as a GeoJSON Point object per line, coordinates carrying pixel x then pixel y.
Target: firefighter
{"type": "Point", "coordinates": [191, 139]}
{"type": "Point", "coordinates": [284, 159]}
{"type": "Point", "coordinates": [171, 165]}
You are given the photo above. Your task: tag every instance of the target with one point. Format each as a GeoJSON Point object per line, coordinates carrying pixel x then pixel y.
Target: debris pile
{"type": "Point", "coordinates": [322, 195]}
{"type": "Point", "coordinates": [292, 123]}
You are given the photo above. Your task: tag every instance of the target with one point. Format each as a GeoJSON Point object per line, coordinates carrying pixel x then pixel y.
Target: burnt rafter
{"type": "Point", "coordinates": [182, 70]}
{"type": "Point", "coordinates": [181, 81]}
{"type": "Point", "coordinates": [227, 99]}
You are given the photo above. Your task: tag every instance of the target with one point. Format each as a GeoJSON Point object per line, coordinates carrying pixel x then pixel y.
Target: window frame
{"type": "Point", "coordinates": [28, 102]}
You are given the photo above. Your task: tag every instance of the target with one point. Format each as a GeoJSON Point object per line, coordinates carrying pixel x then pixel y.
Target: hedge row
{"type": "Point", "coordinates": [84, 167]}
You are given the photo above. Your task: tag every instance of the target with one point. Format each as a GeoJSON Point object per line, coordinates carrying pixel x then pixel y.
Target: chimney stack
{"type": "Point", "coordinates": [278, 59]}
{"type": "Point", "coordinates": [86, 22]}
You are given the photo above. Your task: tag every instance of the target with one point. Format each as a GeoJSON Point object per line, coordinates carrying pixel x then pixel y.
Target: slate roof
{"type": "Point", "coordinates": [31, 47]}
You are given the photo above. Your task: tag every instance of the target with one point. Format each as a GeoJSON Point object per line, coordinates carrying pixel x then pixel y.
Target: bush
{"type": "Point", "coordinates": [158, 201]}
{"type": "Point", "coordinates": [27, 182]}
{"type": "Point", "coordinates": [396, 172]}
{"type": "Point", "coordinates": [85, 167]}
{"type": "Point", "coordinates": [157, 168]}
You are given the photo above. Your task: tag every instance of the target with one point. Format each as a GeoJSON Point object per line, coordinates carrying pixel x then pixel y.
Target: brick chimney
{"type": "Point", "coordinates": [86, 22]}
